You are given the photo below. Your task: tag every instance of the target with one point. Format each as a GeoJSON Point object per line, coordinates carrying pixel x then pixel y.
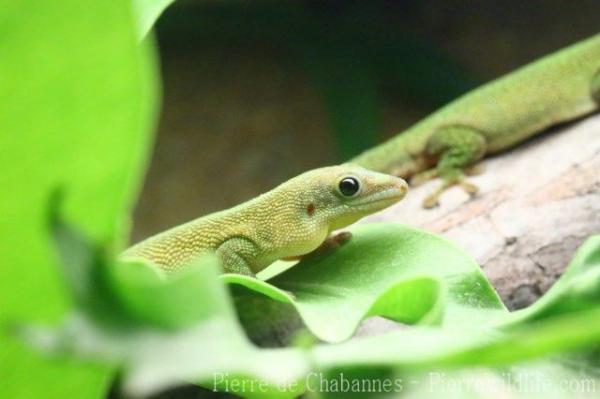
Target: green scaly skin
{"type": "Point", "coordinates": [557, 88]}
{"type": "Point", "coordinates": [290, 221]}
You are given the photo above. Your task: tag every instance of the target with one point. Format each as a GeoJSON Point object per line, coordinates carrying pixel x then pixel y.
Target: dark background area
{"type": "Point", "coordinates": [258, 91]}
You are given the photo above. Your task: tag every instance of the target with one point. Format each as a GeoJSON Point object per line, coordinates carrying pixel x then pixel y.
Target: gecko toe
{"type": "Point", "coordinates": [431, 201]}
{"type": "Point", "coordinates": [342, 237]}
{"type": "Point", "coordinates": [469, 188]}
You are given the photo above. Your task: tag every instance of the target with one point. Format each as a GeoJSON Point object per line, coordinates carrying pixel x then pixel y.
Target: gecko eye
{"type": "Point", "coordinates": [349, 186]}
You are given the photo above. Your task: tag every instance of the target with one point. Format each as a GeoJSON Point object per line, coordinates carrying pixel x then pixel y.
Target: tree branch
{"type": "Point", "coordinates": [536, 205]}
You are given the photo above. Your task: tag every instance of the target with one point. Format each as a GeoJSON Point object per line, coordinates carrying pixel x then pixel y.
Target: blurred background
{"type": "Point", "coordinates": [256, 92]}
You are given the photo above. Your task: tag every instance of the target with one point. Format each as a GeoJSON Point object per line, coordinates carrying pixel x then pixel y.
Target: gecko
{"type": "Point", "coordinates": [293, 220]}
{"type": "Point", "coordinates": [492, 118]}
{"type": "Point", "coordinates": [297, 218]}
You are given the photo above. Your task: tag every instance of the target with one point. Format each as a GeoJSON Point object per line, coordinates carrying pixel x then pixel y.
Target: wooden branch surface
{"type": "Point", "coordinates": [536, 204]}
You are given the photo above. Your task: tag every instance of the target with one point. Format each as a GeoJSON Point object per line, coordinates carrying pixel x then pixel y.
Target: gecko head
{"type": "Point", "coordinates": [340, 195]}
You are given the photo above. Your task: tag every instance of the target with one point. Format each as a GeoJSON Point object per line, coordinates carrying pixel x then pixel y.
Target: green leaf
{"type": "Point", "coordinates": [77, 106]}
{"type": "Point", "coordinates": [157, 329]}
{"type": "Point", "coordinates": [439, 362]}
{"type": "Point", "coordinates": [171, 302]}
{"type": "Point", "coordinates": [389, 270]}
{"type": "Point", "coordinates": [147, 12]}
{"type": "Point", "coordinates": [540, 379]}
{"type": "Point", "coordinates": [211, 345]}
{"type": "Point", "coordinates": [476, 334]}
{"type": "Point", "coordinates": [166, 342]}
{"type": "Point", "coordinates": [132, 293]}
{"type": "Point", "coordinates": [545, 348]}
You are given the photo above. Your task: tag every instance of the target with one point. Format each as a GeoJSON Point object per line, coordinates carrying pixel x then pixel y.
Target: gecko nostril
{"type": "Point", "coordinates": [401, 185]}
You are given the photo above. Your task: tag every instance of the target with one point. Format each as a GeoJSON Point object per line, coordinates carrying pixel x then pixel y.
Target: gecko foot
{"type": "Point", "coordinates": [340, 238]}
{"type": "Point", "coordinates": [332, 242]}
{"type": "Point", "coordinates": [469, 188]}
{"type": "Point", "coordinates": [432, 200]}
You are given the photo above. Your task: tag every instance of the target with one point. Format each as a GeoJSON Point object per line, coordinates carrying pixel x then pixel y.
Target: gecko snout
{"type": "Point", "coordinates": [396, 188]}
{"type": "Point", "coordinates": [401, 185]}
{"type": "Point", "coordinates": [382, 191]}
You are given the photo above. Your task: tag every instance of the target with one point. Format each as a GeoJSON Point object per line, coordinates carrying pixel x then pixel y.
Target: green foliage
{"type": "Point", "coordinates": [147, 12]}
{"type": "Point", "coordinates": [388, 270]}
{"type": "Point", "coordinates": [335, 292]}
{"type": "Point", "coordinates": [78, 118]}
{"type": "Point", "coordinates": [152, 326]}
{"type": "Point", "coordinates": [77, 105]}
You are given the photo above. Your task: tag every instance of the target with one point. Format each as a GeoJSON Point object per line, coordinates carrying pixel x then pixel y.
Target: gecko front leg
{"type": "Point", "coordinates": [234, 254]}
{"type": "Point", "coordinates": [456, 149]}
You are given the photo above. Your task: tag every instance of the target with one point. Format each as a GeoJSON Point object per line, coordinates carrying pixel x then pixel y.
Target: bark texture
{"type": "Point", "coordinates": [536, 204]}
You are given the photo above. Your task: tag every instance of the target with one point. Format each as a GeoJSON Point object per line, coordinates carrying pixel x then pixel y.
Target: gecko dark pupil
{"type": "Point", "coordinates": [349, 186]}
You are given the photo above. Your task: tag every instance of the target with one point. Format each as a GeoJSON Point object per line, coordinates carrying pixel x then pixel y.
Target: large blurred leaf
{"type": "Point", "coordinates": [147, 12]}
{"type": "Point", "coordinates": [194, 334]}
{"type": "Point", "coordinates": [157, 329]}
{"type": "Point", "coordinates": [533, 362]}
{"type": "Point", "coordinates": [77, 105]}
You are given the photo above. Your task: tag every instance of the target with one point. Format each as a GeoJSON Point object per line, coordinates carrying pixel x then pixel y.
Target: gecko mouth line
{"type": "Point", "coordinates": [385, 196]}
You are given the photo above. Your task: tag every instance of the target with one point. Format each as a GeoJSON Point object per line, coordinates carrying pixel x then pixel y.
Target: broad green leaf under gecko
{"type": "Point", "coordinates": [565, 320]}
{"type": "Point", "coordinates": [389, 270]}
